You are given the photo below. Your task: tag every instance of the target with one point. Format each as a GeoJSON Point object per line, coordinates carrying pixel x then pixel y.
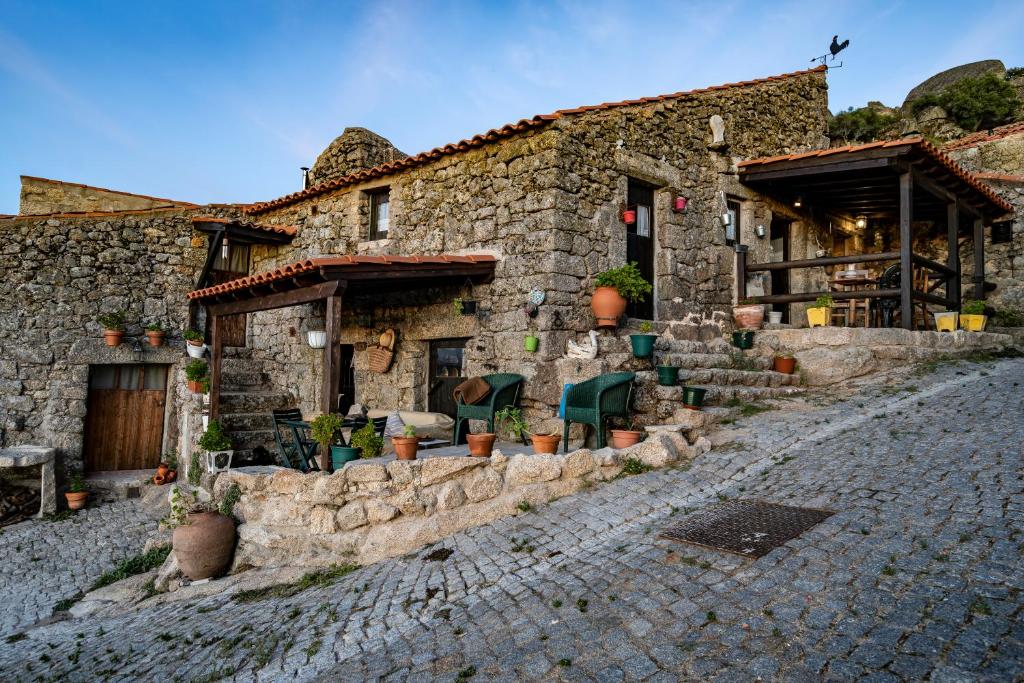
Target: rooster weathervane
{"type": "Point", "coordinates": [835, 48]}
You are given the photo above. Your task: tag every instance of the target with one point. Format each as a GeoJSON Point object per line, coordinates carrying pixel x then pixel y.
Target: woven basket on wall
{"type": "Point", "coordinates": [381, 354]}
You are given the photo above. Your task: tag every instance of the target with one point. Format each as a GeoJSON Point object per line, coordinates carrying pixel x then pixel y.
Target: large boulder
{"type": "Point", "coordinates": [829, 365]}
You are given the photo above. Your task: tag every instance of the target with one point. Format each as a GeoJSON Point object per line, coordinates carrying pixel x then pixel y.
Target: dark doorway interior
{"type": "Point", "coordinates": [347, 384]}
{"type": "Point", "coordinates": [640, 242]}
{"type": "Point", "coordinates": [780, 252]}
{"type": "Point", "coordinates": [446, 363]}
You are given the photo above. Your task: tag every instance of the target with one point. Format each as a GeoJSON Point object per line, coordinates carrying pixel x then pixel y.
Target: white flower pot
{"type": "Point", "coordinates": [317, 339]}
{"type": "Point", "coordinates": [774, 317]}
{"type": "Point", "coordinates": [218, 461]}
{"type": "Point", "coordinates": [196, 351]}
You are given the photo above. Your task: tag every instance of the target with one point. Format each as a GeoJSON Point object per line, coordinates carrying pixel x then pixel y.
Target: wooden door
{"type": "Point", "coordinates": [347, 384]}
{"type": "Point", "coordinates": [446, 361]}
{"type": "Point", "coordinates": [236, 265]}
{"type": "Point", "coordinates": [640, 243]}
{"type": "Point", "coordinates": [124, 422]}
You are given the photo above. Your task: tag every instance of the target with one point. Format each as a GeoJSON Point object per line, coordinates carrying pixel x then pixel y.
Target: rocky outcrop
{"type": "Point", "coordinates": [356, 149]}
{"type": "Point", "coordinates": [942, 80]}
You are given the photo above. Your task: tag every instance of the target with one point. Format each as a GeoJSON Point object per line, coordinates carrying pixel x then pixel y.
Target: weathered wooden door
{"type": "Point", "coordinates": [124, 422]}
{"type": "Point", "coordinates": [446, 356]}
{"type": "Point", "coordinates": [236, 265]}
{"type": "Point", "coordinates": [640, 243]}
{"type": "Point", "coordinates": [347, 385]}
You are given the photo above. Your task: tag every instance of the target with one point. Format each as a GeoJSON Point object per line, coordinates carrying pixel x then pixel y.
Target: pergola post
{"type": "Point", "coordinates": [953, 253]}
{"type": "Point", "coordinates": [741, 272]}
{"type": "Point", "coordinates": [979, 259]}
{"type": "Point", "coordinates": [332, 365]}
{"type": "Point", "coordinates": [215, 362]}
{"type": "Point", "coordinates": [906, 246]}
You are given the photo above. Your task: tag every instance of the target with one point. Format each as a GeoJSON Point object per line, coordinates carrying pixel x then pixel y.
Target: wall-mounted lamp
{"type": "Point", "coordinates": [679, 204]}
{"type": "Point", "coordinates": [861, 222]}
{"type": "Point", "coordinates": [799, 201]}
{"type": "Point", "coordinates": [225, 250]}
{"type": "Point", "coordinates": [760, 231]}
{"type": "Point", "coordinates": [317, 339]}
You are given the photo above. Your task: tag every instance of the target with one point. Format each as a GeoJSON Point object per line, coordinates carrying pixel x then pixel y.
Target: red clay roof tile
{"type": "Point", "coordinates": [985, 136]}
{"type": "Point", "coordinates": [266, 227]}
{"type": "Point", "coordinates": [491, 136]}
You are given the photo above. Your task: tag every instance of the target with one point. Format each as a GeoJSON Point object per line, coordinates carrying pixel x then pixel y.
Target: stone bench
{"type": "Point", "coordinates": [30, 456]}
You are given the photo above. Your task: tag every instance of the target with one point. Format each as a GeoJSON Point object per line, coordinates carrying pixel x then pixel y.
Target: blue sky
{"type": "Point", "coordinates": [224, 101]}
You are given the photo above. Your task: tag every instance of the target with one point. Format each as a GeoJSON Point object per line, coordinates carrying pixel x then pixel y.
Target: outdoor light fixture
{"type": "Point", "coordinates": [760, 231]}
{"type": "Point", "coordinates": [799, 201]}
{"type": "Point", "coordinates": [861, 222]}
{"type": "Point", "coordinates": [225, 250]}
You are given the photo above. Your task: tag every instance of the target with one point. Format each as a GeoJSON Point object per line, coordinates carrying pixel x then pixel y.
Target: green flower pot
{"type": "Point", "coordinates": [743, 339]}
{"type": "Point", "coordinates": [530, 343]}
{"type": "Point", "coordinates": [693, 397]}
{"type": "Point", "coordinates": [643, 345]}
{"type": "Point", "coordinates": [341, 455]}
{"type": "Point", "coordinates": [668, 375]}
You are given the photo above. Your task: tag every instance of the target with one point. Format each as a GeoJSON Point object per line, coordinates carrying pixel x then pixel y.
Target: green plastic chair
{"type": "Point", "coordinates": [506, 390]}
{"type": "Point", "coordinates": [595, 400]}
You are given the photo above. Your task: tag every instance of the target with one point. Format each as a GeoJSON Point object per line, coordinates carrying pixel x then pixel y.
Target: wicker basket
{"type": "Point", "coordinates": [380, 355]}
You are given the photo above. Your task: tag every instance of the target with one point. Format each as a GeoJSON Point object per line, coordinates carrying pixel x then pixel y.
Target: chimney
{"type": "Point", "coordinates": [305, 176]}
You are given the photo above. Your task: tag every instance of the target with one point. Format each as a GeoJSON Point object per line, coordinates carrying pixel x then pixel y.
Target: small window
{"type": "Point", "coordinates": [380, 201]}
{"type": "Point", "coordinates": [1002, 232]}
{"type": "Point", "coordinates": [732, 231]}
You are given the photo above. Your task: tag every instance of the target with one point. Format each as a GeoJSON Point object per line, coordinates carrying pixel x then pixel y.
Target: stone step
{"type": "Point", "coordinates": [247, 421]}
{"type": "Point", "coordinates": [229, 364]}
{"type": "Point", "coordinates": [730, 377]}
{"type": "Point", "coordinates": [718, 395]}
{"type": "Point", "coordinates": [254, 401]}
{"type": "Point", "coordinates": [239, 380]}
{"type": "Point", "coordinates": [250, 439]}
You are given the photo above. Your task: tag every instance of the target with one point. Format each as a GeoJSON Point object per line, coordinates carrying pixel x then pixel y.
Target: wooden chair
{"type": "Point", "coordinates": [594, 401]}
{"type": "Point", "coordinates": [506, 390]}
{"type": "Point", "coordinates": [294, 445]}
{"type": "Point", "coordinates": [921, 313]}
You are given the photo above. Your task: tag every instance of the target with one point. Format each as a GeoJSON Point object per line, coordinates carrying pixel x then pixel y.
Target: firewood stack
{"type": "Point", "coordinates": [17, 503]}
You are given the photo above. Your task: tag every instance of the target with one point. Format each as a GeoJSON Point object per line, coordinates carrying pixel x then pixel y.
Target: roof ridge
{"type": "Point", "coordinates": [495, 134]}
{"type": "Point", "coordinates": [107, 189]}
{"type": "Point", "coordinates": [98, 214]}
{"type": "Point", "coordinates": [978, 137]}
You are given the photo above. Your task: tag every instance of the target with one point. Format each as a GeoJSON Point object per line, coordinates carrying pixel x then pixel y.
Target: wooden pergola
{"type": "Point", "coordinates": [903, 181]}
{"type": "Point", "coordinates": [328, 278]}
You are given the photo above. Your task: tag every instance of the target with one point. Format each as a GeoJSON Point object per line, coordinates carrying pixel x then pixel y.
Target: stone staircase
{"type": "Point", "coordinates": [246, 400]}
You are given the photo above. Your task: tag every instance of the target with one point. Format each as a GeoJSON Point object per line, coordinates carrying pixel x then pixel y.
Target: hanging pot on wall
{"type": "Point", "coordinates": [381, 354]}
{"type": "Point", "coordinates": [317, 339]}
{"type": "Point", "coordinates": [629, 216]}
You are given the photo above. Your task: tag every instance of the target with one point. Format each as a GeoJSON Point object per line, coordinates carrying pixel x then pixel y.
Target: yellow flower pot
{"type": "Point", "coordinates": [972, 323]}
{"type": "Point", "coordinates": [946, 322]}
{"type": "Point", "coordinates": [819, 316]}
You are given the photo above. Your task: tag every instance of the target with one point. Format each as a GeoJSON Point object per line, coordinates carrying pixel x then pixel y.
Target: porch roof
{"type": "Point", "coordinates": [291, 284]}
{"type": "Point", "coordinates": [245, 232]}
{"type": "Point", "coordinates": [863, 180]}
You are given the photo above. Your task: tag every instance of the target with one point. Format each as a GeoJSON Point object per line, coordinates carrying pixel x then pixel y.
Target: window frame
{"type": "Point", "coordinates": [374, 196]}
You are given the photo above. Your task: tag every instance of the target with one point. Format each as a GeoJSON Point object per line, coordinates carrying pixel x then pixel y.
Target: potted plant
{"type": "Point", "coordinates": [545, 443]}
{"type": "Point", "coordinates": [367, 441]}
{"type": "Point", "coordinates": [614, 288]}
{"type": "Point", "coordinates": [197, 376]}
{"type": "Point", "coordinates": [643, 343]}
{"type": "Point", "coordinates": [217, 445]}
{"type": "Point", "coordinates": [195, 346]}
{"type": "Point", "coordinates": [693, 397]}
{"type": "Point", "coordinates": [743, 339]}
{"type": "Point", "coordinates": [204, 536]}
{"type": "Point", "coordinates": [668, 375]}
{"type": "Point", "coordinates": [972, 315]}
{"type": "Point", "coordinates": [155, 334]}
{"type": "Point", "coordinates": [820, 314]}
{"type": "Point", "coordinates": [325, 429]}
{"type": "Point", "coordinates": [531, 341]}
{"type": "Point", "coordinates": [748, 315]}
{"type": "Point", "coordinates": [113, 327]}
{"type": "Point", "coordinates": [407, 444]}
{"type": "Point", "coordinates": [481, 445]}
{"type": "Point", "coordinates": [946, 321]}
{"type": "Point", "coordinates": [77, 493]}
{"type": "Point", "coordinates": [784, 362]}
{"type": "Point", "coordinates": [511, 419]}
{"type": "Point", "coordinates": [624, 438]}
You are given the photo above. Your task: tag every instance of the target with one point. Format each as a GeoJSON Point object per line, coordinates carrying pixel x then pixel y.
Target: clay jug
{"type": "Point", "coordinates": [204, 545]}
{"type": "Point", "coordinates": [608, 306]}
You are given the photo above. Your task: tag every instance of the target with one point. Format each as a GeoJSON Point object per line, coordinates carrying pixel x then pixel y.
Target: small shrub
{"type": "Point", "coordinates": [511, 419]}
{"type": "Point", "coordinates": [369, 443]}
{"type": "Point", "coordinates": [195, 469]}
{"type": "Point", "coordinates": [646, 327]}
{"type": "Point", "coordinates": [324, 428]}
{"type": "Point", "coordinates": [214, 438]}
{"type": "Point", "coordinates": [862, 125]}
{"type": "Point", "coordinates": [231, 496]}
{"type": "Point", "coordinates": [973, 307]}
{"type": "Point", "coordinates": [823, 301]}
{"type": "Point", "coordinates": [1015, 72]}
{"type": "Point", "coordinates": [635, 466]}
{"type": "Point", "coordinates": [627, 281]}
{"type": "Point", "coordinates": [76, 484]}
{"type": "Point", "coordinates": [197, 370]}
{"type": "Point", "coordinates": [154, 327]}
{"type": "Point", "coordinates": [113, 321]}
{"type": "Point", "coordinates": [192, 336]}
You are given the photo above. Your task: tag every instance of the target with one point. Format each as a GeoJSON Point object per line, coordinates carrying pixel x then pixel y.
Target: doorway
{"type": "Point", "coordinates": [446, 373]}
{"type": "Point", "coordinates": [124, 421]}
{"type": "Point", "coordinates": [640, 243]}
{"type": "Point", "coordinates": [347, 383]}
{"type": "Point", "coordinates": [233, 265]}
{"type": "Point", "coordinates": [779, 235]}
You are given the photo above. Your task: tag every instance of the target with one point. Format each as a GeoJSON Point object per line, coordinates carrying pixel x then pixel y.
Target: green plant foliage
{"type": "Point", "coordinates": [975, 103]}
{"type": "Point", "coordinates": [973, 307]}
{"type": "Point", "coordinates": [195, 469]}
{"type": "Point", "coordinates": [823, 301]}
{"type": "Point", "coordinates": [231, 496]}
{"type": "Point", "coordinates": [113, 321]}
{"type": "Point", "coordinates": [861, 125]}
{"type": "Point", "coordinates": [1008, 318]}
{"type": "Point", "coordinates": [457, 306]}
{"type": "Point", "coordinates": [409, 431]}
{"type": "Point", "coordinates": [214, 438]}
{"type": "Point", "coordinates": [1015, 72]}
{"type": "Point", "coordinates": [317, 579]}
{"type": "Point", "coordinates": [511, 418]}
{"type": "Point", "coordinates": [76, 485]}
{"type": "Point", "coordinates": [369, 443]}
{"type": "Point", "coordinates": [324, 428]}
{"type": "Point", "coordinates": [138, 564]}
{"type": "Point", "coordinates": [197, 370]}
{"type": "Point", "coordinates": [646, 327]}
{"type": "Point", "coordinates": [154, 327]}
{"type": "Point", "coordinates": [627, 281]}
{"type": "Point", "coordinates": [192, 336]}
{"type": "Point", "coordinates": [635, 466]}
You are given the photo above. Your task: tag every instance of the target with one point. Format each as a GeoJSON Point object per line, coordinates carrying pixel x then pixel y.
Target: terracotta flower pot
{"type": "Point", "coordinates": [481, 445]}
{"type": "Point", "coordinates": [624, 438]}
{"type": "Point", "coordinates": [196, 386]}
{"type": "Point", "coordinates": [748, 317]}
{"type": "Point", "coordinates": [204, 544]}
{"type": "Point", "coordinates": [405, 446]}
{"type": "Point", "coordinates": [608, 306]}
{"type": "Point", "coordinates": [545, 443]}
{"type": "Point", "coordinates": [171, 475]}
{"type": "Point", "coordinates": [786, 365]}
{"type": "Point", "coordinates": [113, 337]}
{"type": "Point", "coordinates": [76, 501]}
{"type": "Point", "coordinates": [159, 480]}
{"type": "Point", "coordinates": [155, 338]}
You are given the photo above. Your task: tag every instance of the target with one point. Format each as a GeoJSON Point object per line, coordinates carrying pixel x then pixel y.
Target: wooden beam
{"type": "Point", "coordinates": [979, 259]}
{"type": "Point", "coordinates": [741, 272]}
{"type": "Point", "coordinates": [215, 363]}
{"type": "Point", "coordinates": [931, 265]}
{"type": "Point", "coordinates": [278, 300]}
{"type": "Point", "coordinates": [837, 296]}
{"type": "Point", "coordinates": [332, 366]}
{"type": "Point", "coordinates": [953, 254]}
{"type": "Point", "coordinates": [213, 246]}
{"type": "Point", "coordinates": [906, 244]}
{"type": "Point", "coordinates": [825, 166]}
{"type": "Point", "coordinates": [824, 261]}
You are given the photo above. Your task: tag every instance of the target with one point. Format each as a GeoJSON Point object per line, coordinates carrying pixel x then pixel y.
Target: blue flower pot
{"type": "Point", "coordinates": [643, 345]}
{"type": "Point", "coordinates": [341, 455]}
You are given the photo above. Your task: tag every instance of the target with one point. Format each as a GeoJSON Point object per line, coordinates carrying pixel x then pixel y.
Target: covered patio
{"type": "Point", "coordinates": [900, 191]}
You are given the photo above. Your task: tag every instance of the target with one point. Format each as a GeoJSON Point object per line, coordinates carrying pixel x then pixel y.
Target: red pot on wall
{"type": "Point", "coordinates": [480, 445]}
{"type": "Point", "coordinates": [629, 216]}
{"type": "Point", "coordinates": [113, 337]}
{"type": "Point", "coordinates": [405, 446]}
{"type": "Point", "coordinates": [608, 306]}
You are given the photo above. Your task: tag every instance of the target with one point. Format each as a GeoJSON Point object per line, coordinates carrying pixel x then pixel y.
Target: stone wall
{"type": "Point", "coordinates": [61, 272]}
{"type": "Point", "coordinates": [44, 196]}
{"type": "Point", "coordinates": [372, 509]}
{"type": "Point", "coordinates": [356, 149]}
{"type": "Point", "coordinates": [546, 202]}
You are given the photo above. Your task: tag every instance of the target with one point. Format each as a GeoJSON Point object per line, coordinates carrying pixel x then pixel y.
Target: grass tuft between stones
{"type": "Point", "coordinates": [319, 578]}
{"type": "Point", "coordinates": [138, 564]}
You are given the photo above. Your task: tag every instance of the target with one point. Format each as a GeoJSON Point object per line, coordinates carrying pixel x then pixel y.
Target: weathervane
{"type": "Point", "coordinates": [835, 48]}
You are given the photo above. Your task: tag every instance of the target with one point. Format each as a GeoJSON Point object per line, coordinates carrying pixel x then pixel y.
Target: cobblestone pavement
{"type": "Point", "coordinates": [917, 575]}
{"type": "Point", "coordinates": [42, 563]}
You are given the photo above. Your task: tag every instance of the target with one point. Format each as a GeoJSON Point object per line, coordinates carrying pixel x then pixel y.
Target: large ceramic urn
{"type": "Point", "coordinates": [608, 306]}
{"type": "Point", "coordinates": [204, 544]}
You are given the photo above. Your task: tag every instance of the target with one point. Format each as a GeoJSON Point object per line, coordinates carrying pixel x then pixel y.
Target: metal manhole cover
{"type": "Point", "coordinates": [750, 528]}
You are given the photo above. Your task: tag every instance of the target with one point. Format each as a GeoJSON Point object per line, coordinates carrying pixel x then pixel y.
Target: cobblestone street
{"type": "Point", "coordinates": [916, 575]}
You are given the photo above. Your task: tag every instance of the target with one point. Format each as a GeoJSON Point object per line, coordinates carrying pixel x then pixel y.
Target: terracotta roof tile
{"type": "Point", "coordinates": [493, 135]}
{"type": "Point", "coordinates": [105, 189]}
{"type": "Point", "coordinates": [316, 263]}
{"type": "Point", "coordinates": [985, 136]}
{"type": "Point", "coordinates": [914, 142]}
{"type": "Point", "coordinates": [266, 227]}
{"type": "Point", "coordinates": [98, 214]}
